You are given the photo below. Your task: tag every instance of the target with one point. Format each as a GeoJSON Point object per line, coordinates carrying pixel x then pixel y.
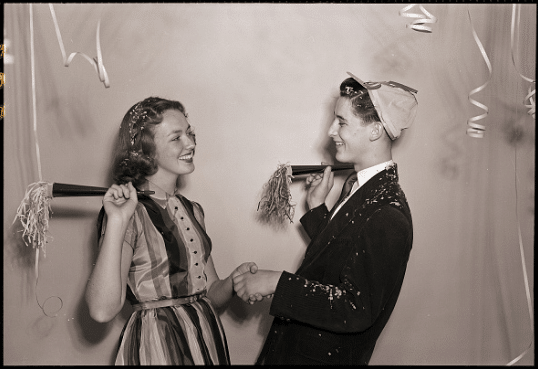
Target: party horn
{"type": "Point", "coordinates": [307, 169]}
{"type": "Point", "coordinates": [64, 190]}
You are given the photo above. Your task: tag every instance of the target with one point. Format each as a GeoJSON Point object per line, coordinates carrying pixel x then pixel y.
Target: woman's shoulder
{"type": "Point", "coordinates": [195, 204]}
{"type": "Point", "coordinates": [198, 207]}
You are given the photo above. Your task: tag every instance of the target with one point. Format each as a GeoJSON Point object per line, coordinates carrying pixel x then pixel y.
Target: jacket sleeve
{"type": "Point", "coordinates": [372, 271]}
{"type": "Point", "coordinates": [312, 219]}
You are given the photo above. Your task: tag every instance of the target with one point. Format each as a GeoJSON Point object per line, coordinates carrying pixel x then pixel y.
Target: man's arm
{"type": "Point", "coordinates": [312, 220]}
{"type": "Point", "coordinates": [373, 270]}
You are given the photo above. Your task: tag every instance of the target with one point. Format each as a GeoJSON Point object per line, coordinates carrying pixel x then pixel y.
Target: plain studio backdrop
{"type": "Point", "coordinates": [259, 82]}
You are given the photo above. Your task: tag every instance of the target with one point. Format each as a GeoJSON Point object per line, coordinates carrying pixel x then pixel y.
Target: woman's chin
{"type": "Point", "coordinates": [187, 168]}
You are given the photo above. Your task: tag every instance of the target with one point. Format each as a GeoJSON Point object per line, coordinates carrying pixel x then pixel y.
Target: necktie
{"type": "Point", "coordinates": [346, 190]}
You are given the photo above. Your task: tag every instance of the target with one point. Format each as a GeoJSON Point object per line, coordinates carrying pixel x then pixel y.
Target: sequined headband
{"type": "Point", "coordinates": [137, 114]}
{"type": "Point", "coordinates": [351, 91]}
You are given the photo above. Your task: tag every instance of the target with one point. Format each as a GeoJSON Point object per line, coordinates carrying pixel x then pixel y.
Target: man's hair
{"type": "Point", "coordinates": [361, 103]}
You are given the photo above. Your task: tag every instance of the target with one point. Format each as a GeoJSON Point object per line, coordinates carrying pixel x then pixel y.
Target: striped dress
{"type": "Point", "coordinates": [173, 322]}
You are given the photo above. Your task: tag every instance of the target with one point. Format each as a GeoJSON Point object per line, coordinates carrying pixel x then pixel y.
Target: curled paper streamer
{"type": "Point", "coordinates": [97, 62]}
{"type": "Point", "coordinates": [419, 24]}
{"type": "Point", "coordinates": [34, 100]}
{"type": "Point", "coordinates": [532, 92]}
{"type": "Point", "coordinates": [532, 104]}
{"type": "Point", "coordinates": [477, 130]}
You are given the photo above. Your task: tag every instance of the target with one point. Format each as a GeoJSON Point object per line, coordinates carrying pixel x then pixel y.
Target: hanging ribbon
{"type": "Point", "coordinates": [477, 130]}
{"type": "Point", "coordinates": [523, 264]}
{"type": "Point", "coordinates": [418, 25]}
{"type": "Point", "coordinates": [96, 62]}
{"type": "Point", "coordinates": [531, 94]}
{"type": "Point", "coordinates": [530, 106]}
{"type": "Point", "coordinates": [41, 213]}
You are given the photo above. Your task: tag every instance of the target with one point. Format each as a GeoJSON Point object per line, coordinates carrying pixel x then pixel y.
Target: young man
{"type": "Point", "coordinates": [334, 307]}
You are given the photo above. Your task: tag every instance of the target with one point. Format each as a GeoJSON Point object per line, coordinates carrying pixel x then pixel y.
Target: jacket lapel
{"type": "Point", "coordinates": [352, 213]}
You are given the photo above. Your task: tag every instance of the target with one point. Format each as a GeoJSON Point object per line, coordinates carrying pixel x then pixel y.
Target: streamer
{"type": "Point", "coordinates": [477, 130]}
{"type": "Point", "coordinates": [419, 24]}
{"type": "Point", "coordinates": [532, 92]}
{"type": "Point", "coordinates": [34, 206]}
{"type": "Point", "coordinates": [531, 111]}
{"type": "Point", "coordinates": [97, 62]}
{"type": "Point", "coordinates": [523, 266]}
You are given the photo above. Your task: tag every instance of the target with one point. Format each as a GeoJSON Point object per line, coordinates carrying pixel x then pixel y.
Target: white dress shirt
{"type": "Point", "coordinates": [362, 177]}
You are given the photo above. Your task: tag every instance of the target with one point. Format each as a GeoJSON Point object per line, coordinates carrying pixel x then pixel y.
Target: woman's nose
{"type": "Point", "coordinates": [191, 143]}
{"type": "Point", "coordinates": [333, 129]}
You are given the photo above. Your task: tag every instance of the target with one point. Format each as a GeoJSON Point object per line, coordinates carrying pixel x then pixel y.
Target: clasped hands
{"type": "Point", "coordinates": [252, 284]}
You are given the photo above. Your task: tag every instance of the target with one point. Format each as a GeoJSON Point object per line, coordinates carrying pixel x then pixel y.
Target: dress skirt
{"type": "Point", "coordinates": [187, 334]}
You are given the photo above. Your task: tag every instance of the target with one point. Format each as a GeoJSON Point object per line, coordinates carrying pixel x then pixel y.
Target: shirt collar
{"type": "Point", "coordinates": [160, 196]}
{"type": "Point", "coordinates": [364, 175]}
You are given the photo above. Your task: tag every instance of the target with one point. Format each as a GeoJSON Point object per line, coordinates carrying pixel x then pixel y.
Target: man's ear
{"type": "Point", "coordinates": [377, 131]}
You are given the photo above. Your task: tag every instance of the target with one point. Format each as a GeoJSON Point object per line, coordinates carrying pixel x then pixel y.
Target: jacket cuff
{"type": "Point", "coordinates": [287, 286]}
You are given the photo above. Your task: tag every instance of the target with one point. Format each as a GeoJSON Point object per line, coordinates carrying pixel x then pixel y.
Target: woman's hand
{"type": "Point", "coordinates": [120, 202]}
{"type": "Point", "coordinates": [244, 268]}
{"type": "Point", "coordinates": [319, 185]}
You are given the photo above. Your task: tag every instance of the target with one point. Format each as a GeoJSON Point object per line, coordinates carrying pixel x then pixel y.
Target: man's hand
{"type": "Point", "coordinates": [319, 185]}
{"type": "Point", "coordinates": [253, 287]}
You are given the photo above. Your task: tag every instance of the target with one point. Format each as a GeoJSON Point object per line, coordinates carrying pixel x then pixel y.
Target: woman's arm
{"type": "Point", "coordinates": [106, 288]}
{"type": "Point", "coordinates": [220, 291]}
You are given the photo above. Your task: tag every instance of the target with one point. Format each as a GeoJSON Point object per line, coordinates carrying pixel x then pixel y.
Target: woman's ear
{"type": "Point", "coordinates": [377, 131]}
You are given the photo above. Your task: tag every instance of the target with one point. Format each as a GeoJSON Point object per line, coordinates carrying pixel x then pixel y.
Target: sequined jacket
{"type": "Point", "coordinates": [333, 309]}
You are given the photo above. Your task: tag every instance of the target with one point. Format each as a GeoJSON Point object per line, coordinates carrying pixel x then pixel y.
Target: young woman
{"type": "Point", "coordinates": [154, 250]}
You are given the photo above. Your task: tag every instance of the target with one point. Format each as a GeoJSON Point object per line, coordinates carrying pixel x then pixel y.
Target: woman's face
{"type": "Point", "coordinates": [175, 144]}
{"type": "Point", "coordinates": [349, 133]}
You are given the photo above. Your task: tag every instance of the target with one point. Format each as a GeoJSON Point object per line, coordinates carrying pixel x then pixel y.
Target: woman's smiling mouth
{"type": "Point", "coordinates": [186, 157]}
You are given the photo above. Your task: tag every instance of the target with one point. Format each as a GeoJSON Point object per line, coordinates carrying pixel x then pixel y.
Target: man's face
{"type": "Point", "coordinates": [350, 134]}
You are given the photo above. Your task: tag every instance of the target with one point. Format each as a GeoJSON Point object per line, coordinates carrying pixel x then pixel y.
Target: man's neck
{"type": "Point", "coordinates": [373, 161]}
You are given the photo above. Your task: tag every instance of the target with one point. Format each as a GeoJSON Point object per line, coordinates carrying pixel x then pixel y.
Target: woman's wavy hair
{"type": "Point", "coordinates": [362, 104]}
{"type": "Point", "coordinates": [134, 156]}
